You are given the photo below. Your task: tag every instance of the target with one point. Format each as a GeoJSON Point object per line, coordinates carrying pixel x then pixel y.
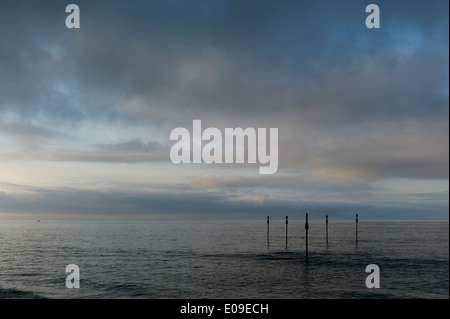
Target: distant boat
{"type": "Point", "coordinates": [38, 220]}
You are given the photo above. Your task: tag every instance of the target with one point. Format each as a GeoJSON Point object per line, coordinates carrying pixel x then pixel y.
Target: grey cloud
{"type": "Point", "coordinates": [294, 189]}
{"type": "Point", "coordinates": [293, 182]}
{"type": "Point", "coordinates": [134, 145]}
{"type": "Point", "coordinates": [409, 148]}
{"type": "Point", "coordinates": [342, 96]}
{"type": "Point", "coordinates": [442, 197]}
{"type": "Point", "coordinates": [96, 203]}
{"type": "Point", "coordinates": [223, 58]}
{"type": "Point", "coordinates": [133, 151]}
{"type": "Point", "coordinates": [27, 131]}
{"type": "Point", "coordinates": [71, 155]}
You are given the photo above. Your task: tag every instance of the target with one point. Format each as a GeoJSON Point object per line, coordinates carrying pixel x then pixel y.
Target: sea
{"type": "Point", "coordinates": [224, 259]}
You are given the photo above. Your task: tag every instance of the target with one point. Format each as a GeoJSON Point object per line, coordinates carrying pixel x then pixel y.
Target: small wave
{"type": "Point", "coordinates": [17, 294]}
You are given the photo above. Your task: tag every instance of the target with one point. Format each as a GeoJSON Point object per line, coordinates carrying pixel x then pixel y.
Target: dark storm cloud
{"type": "Point", "coordinates": [313, 63]}
{"type": "Point", "coordinates": [224, 58]}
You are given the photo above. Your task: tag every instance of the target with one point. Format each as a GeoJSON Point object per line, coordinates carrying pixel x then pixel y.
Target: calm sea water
{"type": "Point", "coordinates": [223, 259]}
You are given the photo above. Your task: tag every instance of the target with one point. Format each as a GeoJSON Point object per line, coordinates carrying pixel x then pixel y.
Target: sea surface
{"type": "Point", "coordinates": [223, 259]}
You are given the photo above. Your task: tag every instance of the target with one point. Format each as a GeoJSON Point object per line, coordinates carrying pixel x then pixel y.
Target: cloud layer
{"type": "Point", "coordinates": [353, 106]}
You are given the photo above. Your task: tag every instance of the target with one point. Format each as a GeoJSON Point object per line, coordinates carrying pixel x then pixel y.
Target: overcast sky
{"type": "Point", "coordinates": [86, 114]}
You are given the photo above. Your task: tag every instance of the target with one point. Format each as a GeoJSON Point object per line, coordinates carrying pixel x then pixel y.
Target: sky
{"type": "Point", "coordinates": [86, 114]}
